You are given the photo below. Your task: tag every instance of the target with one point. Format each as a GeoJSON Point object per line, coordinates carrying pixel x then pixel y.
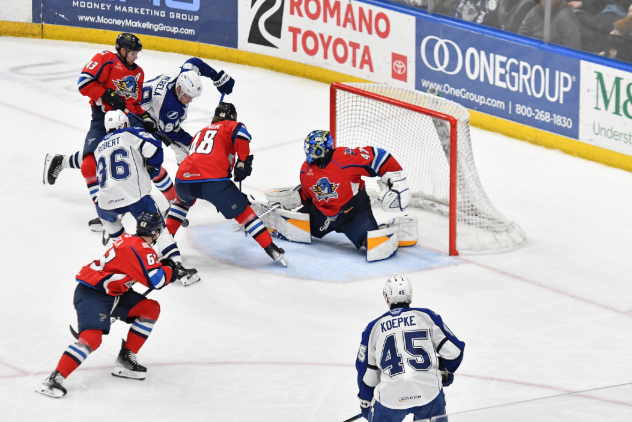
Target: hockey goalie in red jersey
{"type": "Point", "coordinates": [104, 291]}
{"type": "Point", "coordinates": [333, 198]}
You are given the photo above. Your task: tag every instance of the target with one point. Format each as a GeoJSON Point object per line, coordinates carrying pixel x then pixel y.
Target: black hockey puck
{"type": "Point", "coordinates": [185, 223]}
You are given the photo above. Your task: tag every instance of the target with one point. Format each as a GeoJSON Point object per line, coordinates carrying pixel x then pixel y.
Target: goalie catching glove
{"type": "Point", "coordinates": [243, 169]}
{"type": "Point", "coordinates": [394, 191]}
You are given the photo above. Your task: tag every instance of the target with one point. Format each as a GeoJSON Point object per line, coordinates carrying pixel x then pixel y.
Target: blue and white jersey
{"type": "Point", "coordinates": [161, 101]}
{"type": "Point", "coordinates": [121, 159]}
{"type": "Point", "coordinates": [401, 357]}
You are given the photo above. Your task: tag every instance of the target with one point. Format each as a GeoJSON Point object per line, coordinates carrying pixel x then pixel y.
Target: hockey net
{"type": "Point", "coordinates": [430, 137]}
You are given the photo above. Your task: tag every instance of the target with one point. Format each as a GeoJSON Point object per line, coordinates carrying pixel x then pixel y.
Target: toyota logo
{"type": "Point", "coordinates": [442, 46]}
{"type": "Point", "coordinates": [399, 67]}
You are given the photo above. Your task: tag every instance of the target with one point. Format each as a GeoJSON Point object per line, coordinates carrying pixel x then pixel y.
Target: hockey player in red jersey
{"type": "Point", "coordinates": [112, 81]}
{"type": "Point", "coordinates": [206, 174]}
{"type": "Point", "coordinates": [333, 193]}
{"type": "Point", "coordinates": [104, 291]}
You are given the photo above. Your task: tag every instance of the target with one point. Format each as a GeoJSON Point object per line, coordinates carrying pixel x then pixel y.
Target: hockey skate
{"type": "Point", "coordinates": [96, 225]}
{"type": "Point", "coordinates": [126, 365]}
{"type": "Point", "coordinates": [187, 276]}
{"type": "Point", "coordinates": [276, 253]}
{"type": "Point", "coordinates": [52, 167]}
{"type": "Point", "coordinates": [53, 386]}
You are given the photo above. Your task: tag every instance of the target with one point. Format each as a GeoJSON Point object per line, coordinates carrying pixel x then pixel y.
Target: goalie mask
{"type": "Point", "coordinates": [397, 289]}
{"type": "Point", "coordinates": [115, 119]}
{"type": "Point", "coordinates": [190, 85]}
{"type": "Point", "coordinates": [317, 144]}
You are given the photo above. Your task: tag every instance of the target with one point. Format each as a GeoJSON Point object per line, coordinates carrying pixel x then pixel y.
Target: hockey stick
{"type": "Point", "coordinates": [76, 335]}
{"type": "Point", "coordinates": [353, 418]}
{"type": "Point", "coordinates": [272, 208]}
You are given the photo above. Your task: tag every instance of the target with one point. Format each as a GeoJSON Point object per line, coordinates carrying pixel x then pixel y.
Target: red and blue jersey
{"type": "Point", "coordinates": [213, 151]}
{"type": "Point", "coordinates": [332, 186]}
{"type": "Point", "coordinates": [107, 70]}
{"type": "Point", "coordinates": [130, 260]}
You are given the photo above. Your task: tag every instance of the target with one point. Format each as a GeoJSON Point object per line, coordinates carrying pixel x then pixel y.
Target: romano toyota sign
{"type": "Point", "coordinates": [353, 38]}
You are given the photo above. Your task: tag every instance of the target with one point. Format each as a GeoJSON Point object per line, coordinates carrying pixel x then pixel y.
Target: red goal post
{"type": "Point", "coordinates": [429, 136]}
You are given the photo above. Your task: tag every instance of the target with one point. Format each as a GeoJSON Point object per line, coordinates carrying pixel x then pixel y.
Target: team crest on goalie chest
{"type": "Point", "coordinates": [128, 86]}
{"type": "Point", "coordinates": [325, 190]}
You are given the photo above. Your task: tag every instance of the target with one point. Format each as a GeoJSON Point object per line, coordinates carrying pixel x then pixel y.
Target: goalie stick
{"type": "Point", "coordinates": [75, 334]}
{"type": "Point", "coordinates": [272, 208]}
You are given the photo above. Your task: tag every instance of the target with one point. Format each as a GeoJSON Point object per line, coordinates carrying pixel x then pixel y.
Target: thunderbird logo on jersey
{"type": "Point", "coordinates": [128, 86]}
{"type": "Point", "coordinates": [324, 189]}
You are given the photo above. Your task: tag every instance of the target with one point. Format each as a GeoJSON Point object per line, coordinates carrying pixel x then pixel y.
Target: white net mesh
{"type": "Point", "coordinates": [421, 144]}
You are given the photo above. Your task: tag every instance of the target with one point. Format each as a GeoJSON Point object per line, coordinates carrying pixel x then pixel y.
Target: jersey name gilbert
{"type": "Point", "coordinates": [108, 143]}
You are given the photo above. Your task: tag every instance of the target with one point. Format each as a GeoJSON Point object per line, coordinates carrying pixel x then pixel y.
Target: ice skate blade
{"type": "Point", "coordinates": [122, 372]}
{"type": "Point", "coordinates": [50, 392]}
{"type": "Point", "coordinates": [47, 161]}
{"type": "Point", "coordinates": [187, 281]}
{"type": "Point", "coordinates": [283, 262]}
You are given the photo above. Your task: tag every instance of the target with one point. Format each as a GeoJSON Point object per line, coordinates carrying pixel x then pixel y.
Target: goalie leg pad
{"type": "Point", "coordinates": [408, 230]}
{"type": "Point", "coordinates": [381, 244]}
{"type": "Point", "coordinates": [289, 197]}
{"type": "Point", "coordinates": [285, 225]}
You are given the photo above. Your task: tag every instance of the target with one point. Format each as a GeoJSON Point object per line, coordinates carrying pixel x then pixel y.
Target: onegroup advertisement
{"type": "Point", "coordinates": [349, 37]}
{"type": "Point", "coordinates": [506, 79]}
{"type": "Point", "coordinates": [208, 21]}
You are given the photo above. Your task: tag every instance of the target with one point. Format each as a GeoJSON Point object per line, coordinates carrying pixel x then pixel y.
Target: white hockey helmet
{"type": "Point", "coordinates": [190, 84]}
{"type": "Point", "coordinates": [397, 289]}
{"type": "Point", "coordinates": [115, 119]}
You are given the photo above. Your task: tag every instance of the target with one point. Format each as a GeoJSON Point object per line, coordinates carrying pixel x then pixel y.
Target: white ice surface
{"type": "Point", "coordinates": [252, 343]}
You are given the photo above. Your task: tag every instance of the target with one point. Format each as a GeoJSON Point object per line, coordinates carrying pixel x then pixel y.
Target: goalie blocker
{"type": "Point", "coordinates": [299, 226]}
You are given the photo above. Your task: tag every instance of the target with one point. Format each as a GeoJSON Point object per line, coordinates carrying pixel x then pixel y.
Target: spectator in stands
{"type": "Point", "coordinates": [564, 24]}
{"type": "Point", "coordinates": [477, 11]}
{"type": "Point", "coordinates": [620, 39]}
{"type": "Point", "coordinates": [511, 13]}
{"type": "Point", "coordinates": [442, 7]}
{"type": "Point", "coordinates": [597, 18]}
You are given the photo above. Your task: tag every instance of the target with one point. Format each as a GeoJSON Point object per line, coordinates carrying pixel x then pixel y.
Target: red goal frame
{"type": "Point", "coordinates": [335, 87]}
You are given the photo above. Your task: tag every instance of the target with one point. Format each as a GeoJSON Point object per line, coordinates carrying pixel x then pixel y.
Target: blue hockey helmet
{"type": "Point", "coordinates": [317, 144]}
{"type": "Point", "coordinates": [148, 223]}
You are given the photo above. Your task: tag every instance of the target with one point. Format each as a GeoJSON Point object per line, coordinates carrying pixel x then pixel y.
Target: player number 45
{"type": "Point", "coordinates": [392, 361]}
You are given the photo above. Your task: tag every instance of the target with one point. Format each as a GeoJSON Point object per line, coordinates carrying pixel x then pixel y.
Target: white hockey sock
{"type": "Point", "coordinates": [73, 161]}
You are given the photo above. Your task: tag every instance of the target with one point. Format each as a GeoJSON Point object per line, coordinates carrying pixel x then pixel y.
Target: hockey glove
{"type": "Point", "coordinates": [113, 99]}
{"type": "Point", "coordinates": [446, 378]}
{"type": "Point", "coordinates": [243, 169]}
{"type": "Point", "coordinates": [167, 262]}
{"type": "Point", "coordinates": [365, 408]}
{"type": "Point", "coordinates": [394, 191]}
{"type": "Point", "coordinates": [148, 123]}
{"type": "Point", "coordinates": [223, 83]}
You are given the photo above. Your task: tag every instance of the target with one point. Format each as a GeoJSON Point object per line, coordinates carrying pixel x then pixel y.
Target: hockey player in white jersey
{"type": "Point", "coordinates": [406, 356]}
{"type": "Point", "coordinates": [168, 96]}
{"type": "Point", "coordinates": [127, 158]}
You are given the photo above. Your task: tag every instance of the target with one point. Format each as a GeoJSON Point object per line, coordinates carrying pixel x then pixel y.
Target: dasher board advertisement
{"type": "Point", "coordinates": [350, 37]}
{"type": "Point", "coordinates": [208, 22]}
{"type": "Point", "coordinates": [496, 75]}
{"type": "Point", "coordinates": [606, 107]}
